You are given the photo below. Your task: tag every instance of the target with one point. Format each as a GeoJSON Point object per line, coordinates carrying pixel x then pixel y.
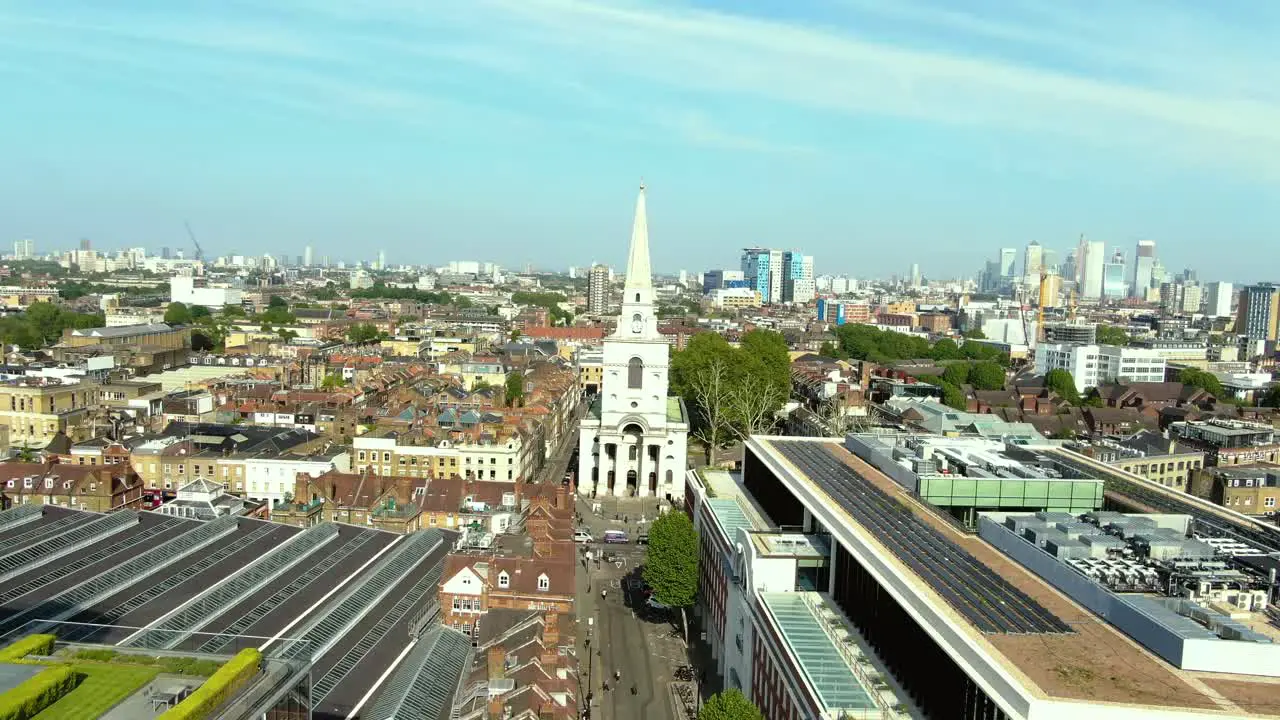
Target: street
{"type": "Point", "coordinates": [644, 652]}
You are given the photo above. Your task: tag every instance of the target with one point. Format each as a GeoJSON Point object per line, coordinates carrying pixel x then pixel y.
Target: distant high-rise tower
{"type": "Point", "coordinates": [1032, 261]}
{"type": "Point", "coordinates": [915, 275]}
{"type": "Point", "coordinates": [1113, 283]}
{"type": "Point", "coordinates": [1092, 269]}
{"type": "Point", "coordinates": [1218, 302]}
{"type": "Point", "coordinates": [763, 269]}
{"type": "Point", "coordinates": [382, 260]}
{"type": "Point", "coordinates": [1143, 261]}
{"type": "Point", "coordinates": [307, 256]}
{"type": "Point", "coordinates": [165, 253]}
{"type": "Point", "coordinates": [1258, 317]}
{"type": "Point", "coordinates": [85, 244]}
{"type": "Point", "coordinates": [797, 278]}
{"type": "Point", "coordinates": [1008, 256]}
{"type": "Point", "coordinates": [24, 249]}
{"type": "Point", "coordinates": [598, 290]}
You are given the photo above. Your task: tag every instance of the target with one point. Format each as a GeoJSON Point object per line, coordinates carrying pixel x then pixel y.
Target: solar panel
{"type": "Point", "coordinates": [988, 601]}
{"type": "Point", "coordinates": [424, 684]}
{"type": "Point", "coordinates": [171, 631]}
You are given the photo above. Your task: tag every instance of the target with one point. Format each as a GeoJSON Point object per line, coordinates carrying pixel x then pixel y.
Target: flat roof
{"type": "Point", "coordinates": [1084, 660]}
{"type": "Point", "coordinates": [826, 665]}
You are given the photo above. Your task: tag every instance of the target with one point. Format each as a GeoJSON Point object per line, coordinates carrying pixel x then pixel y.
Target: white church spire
{"type": "Point", "coordinates": [639, 276]}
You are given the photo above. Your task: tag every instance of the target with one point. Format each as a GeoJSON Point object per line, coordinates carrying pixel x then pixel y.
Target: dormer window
{"type": "Point", "coordinates": [544, 583]}
{"type": "Point", "coordinates": [504, 580]}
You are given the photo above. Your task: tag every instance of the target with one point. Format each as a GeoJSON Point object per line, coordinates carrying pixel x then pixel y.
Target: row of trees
{"type": "Point", "coordinates": [381, 291]}
{"type": "Point", "coordinates": [732, 392]}
{"type": "Point", "coordinates": [42, 324]}
{"type": "Point", "coordinates": [865, 342]}
{"type": "Point", "coordinates": [985, 375]}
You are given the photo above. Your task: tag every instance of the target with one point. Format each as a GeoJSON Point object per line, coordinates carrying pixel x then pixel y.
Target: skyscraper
{"type": "Point", "coordinates": [1049, 260]}
{"type": "Point", "coordinates": [306, 256]}
{"type": "Point", "coordinates": [1008, 256]}
{"type": "Point", "coordinates": [798, 283]}
{"type": "Point", "coordinates": [598, 290]}
{"type": "Point", "coordinates": [1113, 282]}
{"type": "Point", "coordinates": [762, 268]}
{"type": "Point", "coordinates": [1092, 269]}
{"type": "Point", "coordinates": [382, 260]}
{"type": "Point", "coordinates": [915, 275]}
{"type": "Point", "coordinates": [1143, 262]}
{"type": "Point", "coordinates": [1032, 260]}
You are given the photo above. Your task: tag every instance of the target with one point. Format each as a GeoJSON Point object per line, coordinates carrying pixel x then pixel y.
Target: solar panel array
{"type": "Point", "coordinates": [229, 634]}
{"type": "Point", "coordinates": [391, 620]}
{"type": "Point", "coordinates": [172, 580]}
{"type": "Point", "coordinates": [138, 540]}
{"type": "Point", "coordinates": [974, 590]}
{"type": "Point", "coordinates": [51, 549]}
{"type": "Point", "coordinates": [171, 631]}
{"type": "Point", "coordinates": [79, 597]}
{"type": "Point", "coordinates": [367, 592]}
{"type": "Point", "coordinates": [424, 684]}
{"type": "Point", "coordinates": [20, 515]}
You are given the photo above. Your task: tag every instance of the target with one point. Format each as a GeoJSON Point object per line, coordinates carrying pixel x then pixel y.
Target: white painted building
{"type": "Point", "coordinates": [270, 478]}
{"type": "Point", "coordinates": [184, 289]}
{"type": "Point", "coordinates": [1092, 365]}
{"type": "Point", "coordinates": [633, 441]}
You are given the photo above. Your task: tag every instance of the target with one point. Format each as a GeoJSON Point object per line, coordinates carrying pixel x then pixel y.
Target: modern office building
{"type": "Point", "coordinates": [633, 439]}
{"type": "Point", "coordinates": [831, 589]}
{"type": "Point", "coordinates": [798, 284]}
{"type": "Point", "coordinates": [1114, 285]}
{"type": "Point", "coordinates": [762, 268]}
{"type": "Point", "coordinates": [1258, 316]}
{"type": "Point", "coordinates": [719, 279]}
{"type": "Point", "coordinates": [1092, 365]}
{"type": "Point", "coordinates": [1008, 256]}
{"type": "Point", "coordinates": [1093, 269]}
{"type": "Point", "coordinates": [1218, 299]}
{"type": "Point", "coordinates": [1032, 260]}
{"type": "Point", "coordinates": [1144, 259]}
{"type": "Point", "coordinates": [598, 290]}
{"type": "Point", "coordinates": [24, 249]}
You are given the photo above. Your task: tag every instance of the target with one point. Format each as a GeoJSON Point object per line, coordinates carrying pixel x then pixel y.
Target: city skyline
{"type": "Point", "coordinates": [319, 124]}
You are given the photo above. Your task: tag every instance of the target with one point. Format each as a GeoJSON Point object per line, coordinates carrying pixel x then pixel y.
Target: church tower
{"type": "Point", "coordinates": [633, 441]}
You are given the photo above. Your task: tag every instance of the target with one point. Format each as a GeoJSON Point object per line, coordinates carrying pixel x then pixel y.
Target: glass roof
{"type": "Point", "coordinates": [731, 516]}
{"type": "Point", "coordinates": [819, 657]}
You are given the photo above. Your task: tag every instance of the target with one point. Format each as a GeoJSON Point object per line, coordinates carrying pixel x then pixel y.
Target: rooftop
{"type": "Point", "coordinates": [991, 607]}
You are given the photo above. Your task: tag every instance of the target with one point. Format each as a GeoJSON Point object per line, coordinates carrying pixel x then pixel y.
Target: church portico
{"type": "Point", "coordinates": [633, 441]}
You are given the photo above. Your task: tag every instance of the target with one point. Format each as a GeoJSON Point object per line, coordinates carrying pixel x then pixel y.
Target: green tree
{"type": "Point", "coordinates": [946, 349]}
{"type": "Point", "coordinates": [515, 389]}
{"type": "Point", "coordinates": [233, 311]}
{"type": "Point", "coordinates": [177, 314]}
{"type": "Point", "coordinates": [1112, 335]}
{"type": "Point", "coordinates": [729, 704]}
{"type": "Point", "coordinates": [278, 301]}
{"type": "Point", "coordinates": [671, 563]}
{"type": "Point", "coordinates": [987, 376]}
{"type": "Point", "coordinates": [975, 334]}
{"type": "Point", "coordinates": [1061, 382]}
{"type": "Point", "coordinates": [769, 350]}
{"type": "Point", "coordinates": [1204, 380]}
{"type": "Point", "coordinates": [363, 333]}
{"type": "Point", "coordinates": [829, 349]}
{"type": "Point", "coordinates": [199, 311]}
{"type": "Point", "coordinates": [332, 381]}
{"type": "Point", "coordinates": [953, 397]}
{"type": "Point", "coordinates": [515, 334]}
{"type": "Point", "coordinates": [956, 374]}
{"type": "Point", "coordinates": [1270, 398]}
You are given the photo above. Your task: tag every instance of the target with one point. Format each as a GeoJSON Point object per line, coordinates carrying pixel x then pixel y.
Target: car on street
{"type": "Point", "coordinates": [582, 536]}
{"type": "Point", "coordinates": [617, 537]}
{"type": "Point", "coordinates": [642, 538]}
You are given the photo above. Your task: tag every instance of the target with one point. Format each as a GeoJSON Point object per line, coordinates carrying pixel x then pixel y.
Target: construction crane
{"type": "Point", "coordinates": [199, 250]}
{"type": "Point", "coordinates": [1044, 277]}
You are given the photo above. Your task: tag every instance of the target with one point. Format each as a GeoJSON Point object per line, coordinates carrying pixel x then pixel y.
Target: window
{"type": "Point", "coordinates": [635, 373]}
{"type": "Point", "coordinates": [360, 455]}
{"type": "Point", "coordinates": [1269, 502]}
{"type": "Point", "coordinates": [504, 580]}
{"type": "Point", "coordinates": [544, 583]}
{"type": "Point", "coordinates": [637, 297]}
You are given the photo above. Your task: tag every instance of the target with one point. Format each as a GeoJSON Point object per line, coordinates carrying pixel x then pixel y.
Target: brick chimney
{"type": "Point", "coordinates": [497, 658]}
{"type": "Point", "coordinates": [551, 629]}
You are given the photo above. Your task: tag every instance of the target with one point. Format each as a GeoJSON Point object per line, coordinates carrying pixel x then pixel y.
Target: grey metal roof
{"type": "Point", "coordinates": [122, 330]}
{"type": "Point", "coordinates": [423, 687]}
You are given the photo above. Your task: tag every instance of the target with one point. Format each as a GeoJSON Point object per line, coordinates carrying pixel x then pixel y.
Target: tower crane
{"type": "Point", "coordinates": [199, 250]}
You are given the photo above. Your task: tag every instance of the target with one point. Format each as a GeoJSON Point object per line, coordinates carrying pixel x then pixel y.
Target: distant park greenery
{"type": "Point", "coordinates": [549, 300]}
{"type": "Point", "coordinates": [1112, 335]}
{"type": "Point", "coordinates": [864, 342]}
{"type": "Point", "coordinates": [381, 291]}
{"type": "Point", "coordinates": [42, 324]}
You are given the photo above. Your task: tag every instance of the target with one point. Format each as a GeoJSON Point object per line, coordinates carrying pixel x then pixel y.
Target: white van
{"type": "Point", "coordinates": [582, 536]}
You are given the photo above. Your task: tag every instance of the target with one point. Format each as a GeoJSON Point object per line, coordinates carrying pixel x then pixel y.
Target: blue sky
{"type": "Point", "coordinates": [869, 133]}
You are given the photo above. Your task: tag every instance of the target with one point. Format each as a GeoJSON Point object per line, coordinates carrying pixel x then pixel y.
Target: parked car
{"type": "Point", "coordinates": [582, 536]}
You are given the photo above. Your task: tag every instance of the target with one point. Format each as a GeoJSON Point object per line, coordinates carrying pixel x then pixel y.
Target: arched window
{"type": "Point", "coordinates": [631, 452]}
{"type": "Point", "coordinates": [637, 297]}
{"type": "Point", "coordinates": [635, 372]}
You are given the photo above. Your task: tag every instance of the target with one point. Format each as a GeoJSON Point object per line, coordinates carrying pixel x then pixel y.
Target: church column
{"type": "Point", "coordinates": [640, 466]}
{"type": "Point", "coordinates": [642, 473]}
{"type": "Point", "coordinates": [619, 487]}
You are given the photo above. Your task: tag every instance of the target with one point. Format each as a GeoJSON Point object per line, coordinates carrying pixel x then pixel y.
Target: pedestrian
{"type": "Point", "coordinates": [603, 592]}
{"type": "Point", "coordinates": [617, 675]}
{"type": "Point", "coordinates": [606, 686]}
{"type": "Point", "coordinates": [633, 690]}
